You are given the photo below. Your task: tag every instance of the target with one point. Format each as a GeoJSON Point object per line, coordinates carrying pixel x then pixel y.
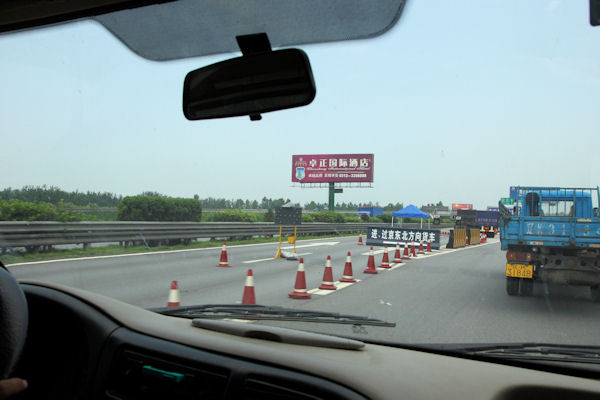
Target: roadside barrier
{"type": "Point", "coordinates": [248, 296]}
{"type": "Point", "coordinates": [173, 295]}
{"type": "Point", "coordinates": [385, 260]}
{"type": "Point", "coordinates": [397, 256]}
{"type": "Point", "coordinates": [300, 291]}
{"type": "Point", "coordinates": [347, 277]}
{"type": "Point", "coordinates": [370, 264]}
{"type": "Point", "coordinates": [473, 236]}
{"type": "Point", "coordinates": [458, 238]}
{"type": "Point", "coordinates": [327, 283]}
{"type": "Point", "coordinates": [223, 260]}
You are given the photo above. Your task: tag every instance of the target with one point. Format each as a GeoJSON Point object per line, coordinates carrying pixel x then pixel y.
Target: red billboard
{"type": "Point", "coordinates": [318, 168]}
{"type": "Point", "coordinates": [460, 206]}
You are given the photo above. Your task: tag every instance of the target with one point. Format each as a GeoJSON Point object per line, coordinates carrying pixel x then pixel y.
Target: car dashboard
{"type": "Point", "coordinates": [83, 345]}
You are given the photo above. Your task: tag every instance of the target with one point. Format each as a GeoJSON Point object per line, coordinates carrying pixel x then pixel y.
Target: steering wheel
{"type": "Point", "coordinates": [13, 322]}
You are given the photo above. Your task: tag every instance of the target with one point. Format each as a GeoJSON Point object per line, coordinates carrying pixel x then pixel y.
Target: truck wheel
{"type": "Point", "coordinates": [595, 292]}
{"type": "Point", "coordinates": [526, 286]}
{"type": "Point", "coordinates": [512, 286]}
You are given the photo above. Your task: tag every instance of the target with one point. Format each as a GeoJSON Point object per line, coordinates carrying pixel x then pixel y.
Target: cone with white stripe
{"type": "Point", "coordinates": [371, 264]}
{"type": "Point", "coordinates": [173, 295]}
{"type": "Point", "coordinates": [397, 256]}
{"type": "Point", "coordinates": [223, 260]}
{"type": "Point", "coordinates": [406, 256]}
{"type": "Point", "coordinates": [429, 246]}
{"type": "Point", "coordinates": [360, 242]}
{"type": "Point", "coordinates": [412, 250]}
{"type": "Point", "coordinates": [347, 277]}
{"type": "Point", "coordinates": [327, 283]}
{"type": "Point", "coordinates": [421, 250]}
{"type": "Point", "coordinates": [385, 260]}
{"type": "Point", "coordinates": [248, 296]}
{"type": "Point", "coordinates": [300, 291]}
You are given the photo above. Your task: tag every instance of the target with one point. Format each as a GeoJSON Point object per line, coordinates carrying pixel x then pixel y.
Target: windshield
{"type": "Point", "coordinates": [107, 187]}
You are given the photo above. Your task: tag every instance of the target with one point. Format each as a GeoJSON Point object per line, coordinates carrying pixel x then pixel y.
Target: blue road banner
{"type": "Point", "coordinates": [378, 236]}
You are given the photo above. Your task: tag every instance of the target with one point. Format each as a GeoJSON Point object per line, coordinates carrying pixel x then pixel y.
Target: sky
{"type": "Point", "coordinates": [457, 102]}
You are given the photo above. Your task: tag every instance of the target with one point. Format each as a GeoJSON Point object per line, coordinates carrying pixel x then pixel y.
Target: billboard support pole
{"type": "Point", "coordinates": [278, 255]}
{"type": "Point", "coordinates": [331, 196]}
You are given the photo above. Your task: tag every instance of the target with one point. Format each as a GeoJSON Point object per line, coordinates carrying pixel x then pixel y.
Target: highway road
{"type": "Point", "coordinates": [449, 296]}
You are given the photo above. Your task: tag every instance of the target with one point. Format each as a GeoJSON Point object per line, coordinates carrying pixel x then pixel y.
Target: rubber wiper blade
{"type": "Point", "coordinates": [273, 313]}
{"type": "Point", "coordinates": [540, 351]}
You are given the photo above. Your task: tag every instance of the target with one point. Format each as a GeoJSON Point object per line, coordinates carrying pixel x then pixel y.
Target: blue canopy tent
{"type": "Point", "coordinates": [410, 212]}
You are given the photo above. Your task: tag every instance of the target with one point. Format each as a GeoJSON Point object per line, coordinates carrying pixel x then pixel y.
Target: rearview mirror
{"type": "Point", "coordinates": [249, 85]}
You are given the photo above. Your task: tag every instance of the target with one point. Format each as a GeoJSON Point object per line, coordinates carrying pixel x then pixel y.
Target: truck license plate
{"type": "Point", "coordinates": [519, 270]}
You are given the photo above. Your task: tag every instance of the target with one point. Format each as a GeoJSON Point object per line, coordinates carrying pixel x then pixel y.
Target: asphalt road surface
{"type": "Point", "coordinates": [448, 296]}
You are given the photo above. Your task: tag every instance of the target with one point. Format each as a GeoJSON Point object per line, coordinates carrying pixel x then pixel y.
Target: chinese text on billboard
{"type": "Point", "coordinates": [332, 168]}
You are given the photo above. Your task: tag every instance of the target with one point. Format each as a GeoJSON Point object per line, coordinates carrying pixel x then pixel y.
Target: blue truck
{"type": "Point", "coordinates": [551, 235]}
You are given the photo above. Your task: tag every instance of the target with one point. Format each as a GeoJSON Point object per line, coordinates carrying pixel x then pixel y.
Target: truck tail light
{"type": "Point", "coordinates": [518, 256]}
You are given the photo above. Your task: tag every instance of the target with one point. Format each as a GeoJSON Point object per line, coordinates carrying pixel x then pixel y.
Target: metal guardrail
{"type": "Point", "coordinates": [36, 234]}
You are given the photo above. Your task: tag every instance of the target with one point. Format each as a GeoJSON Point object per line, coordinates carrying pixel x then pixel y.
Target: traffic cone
{"type": "Point", "coordinates": [385, 261]}
{"type": "Point", "coordinates": [327, 283]}
{"type": "Point", "coordinates": [223, 260]}
{"type": "Point", "coordinates": [370, 264]}
{"type": "Point", "coordinates": [347, 277]}
{"type": "Point", "coordinates": [406, 256]}
{"type": "Point", "coordinates": [300, 286]}
{"type": "Point", "coordinates": [421, 251]}
{"type": "Point", "coordinates": [248, 296]}
{"type": "Point", "coordinates": [360, 242]}
{"type": "Point", "coordinates": [173, 295]}
{"type": "Point", "coordinates": [412, 250]}
{"type": "Point", "coordinates": [429, 246]}
{"type": "Point", "coordinates": [397, 256]}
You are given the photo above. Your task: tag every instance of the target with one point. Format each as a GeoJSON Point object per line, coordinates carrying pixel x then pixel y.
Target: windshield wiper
{"type": "Point", "coordinates": [537, 351]}
{"type": "Point", "coordinates": [273, 313]}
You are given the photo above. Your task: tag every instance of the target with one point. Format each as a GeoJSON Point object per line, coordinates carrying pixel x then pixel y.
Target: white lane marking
{"type": "Point", "coordinates": [259, 260]}
{"type": "Point", "coordinates": [270, 258]}
{"type": "Point", "coordinates": [379, 251]}
{"type": "Point", "coordinates": [151, 253]}
{"type": "Point", "coordinates": [338, 284]}
{"type": "Point", "coordinates": [311, 245]}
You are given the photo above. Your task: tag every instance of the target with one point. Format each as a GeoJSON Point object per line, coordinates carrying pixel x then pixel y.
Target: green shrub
{"type": "Point", "coordinates": [17, 210]}
{"type": "Point", "coordinates": [352, 219]}
{"type": "Point", "coordinates": [387, 218]}
{"type": "Point", "coordinates": [307, 218]}
{"type": "Point", "coordinates": [233, 216]}
{"type": "Point", "coordinates": [328, 216]}
{"type": "Point", "coordinates": [364, 217]}
{"type": "Point", "coordinates": [158, 208]}
{"type": "Point", "coordinates": [269, 215]}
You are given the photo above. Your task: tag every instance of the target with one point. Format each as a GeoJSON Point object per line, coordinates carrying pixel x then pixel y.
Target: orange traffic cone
{"type": "Point", "coordinates": [405, 256]}
{"type": "Point", "coordinates": [421, 251]}
{"type": "Point", "coordinates": [327, 283]}
{"type": "Point", "coordinates": [397, 256]}
{"type": "Point", "coordinates": [300, 286]}
{"type": "Point", "coordinates": [173, 295]}
{"type": "Point", "coordinates": [429, 246]}
{"type": "Point", "coordinates": [223, 260]}
{"type": "Point", "coordinates": [347, 277]}
{"type": "Point", "coordinates": [370, 264]}
{"type": "Point", "coordinates": [248, 296]}
{"type": "Point", "coordinates": [385, 261]}
{"type": "Point", "coordinates": [412, 250]}
{"type": "Point", "coordinates": [360, 242]}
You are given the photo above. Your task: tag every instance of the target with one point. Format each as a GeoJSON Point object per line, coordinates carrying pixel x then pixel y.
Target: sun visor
{"type": "Point", "coordinates": [191, 28]}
